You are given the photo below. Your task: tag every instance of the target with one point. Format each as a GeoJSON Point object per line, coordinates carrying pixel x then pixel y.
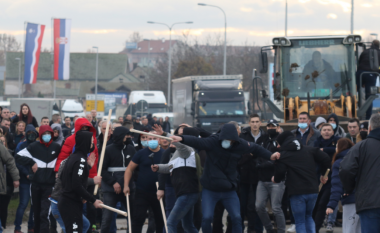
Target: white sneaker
{"type": "Point", "coordinates": [292, 228]}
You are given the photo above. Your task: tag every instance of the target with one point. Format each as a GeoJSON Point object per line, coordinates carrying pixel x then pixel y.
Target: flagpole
{"type": "Point", "coordinates": [52, 55]}
{"type": "Point", "coordinates": [23, 58]}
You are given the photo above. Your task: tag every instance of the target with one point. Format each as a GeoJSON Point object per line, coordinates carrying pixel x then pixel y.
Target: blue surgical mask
{"type": "Point", "coordinates": [226, 144]}
{"type": "Point", "coordinates": [333, 125]}
{"type": "Point", "coordinates": [302, 125]}
{"type": "Point", "coordinates": [153, 144]}
{"type": "Point", "coordinates": [144, 143]}
{"type": "Point", "coordinates": [46, 138]}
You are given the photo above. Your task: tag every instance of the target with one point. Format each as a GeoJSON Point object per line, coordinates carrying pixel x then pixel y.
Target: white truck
{"type": "Point", "coordinates": [156, 102]}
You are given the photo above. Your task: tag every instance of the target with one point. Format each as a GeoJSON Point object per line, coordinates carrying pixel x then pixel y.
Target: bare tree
{"type": "Point", "coordinates": [135, 37]}
{"type": "Point", "coordinates": [8, 43]}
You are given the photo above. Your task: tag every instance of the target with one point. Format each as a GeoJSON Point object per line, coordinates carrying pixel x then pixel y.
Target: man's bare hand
{"type": "Point", "coordinates": [16, 183]}
{"type": "Point", "coordinates": [160, 194]}
{"type": "Point", "coordinates": [158, 129]}
{"type": "Point", "coordinates": [97, 204]}
{"type": "Point", "coordinates": [84, 201]}
{"type": "Point", "coordinates": [35, 168]}
{"type": "Point", "coordinates": [97, 180]}
{"type": "Point", "coordinates": [126, 190]}
{"type": "Point", "coordinates": [324, 179]}
{"type": "Point", "coordinates": [273, 179]}
{"type": "Point", "coordinates": [154, 168]}
{"type": "Point", "coordinates": [275, 156]}
{"type": "Point", "coordinates": [91, 159]}
{"type": "Point", "coordinates": [329, 211]}
{"type": "Point", "coordinates": [117, 188]}
{"type": "Point", "coordinates": [176, 138]}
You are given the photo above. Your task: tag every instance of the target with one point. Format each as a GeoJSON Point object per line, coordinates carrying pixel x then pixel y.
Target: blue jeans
{"type": "Point", "coordinates": [370, 220]}
{"type": "Point", "coordinates": [24, 193]}
{"type": "Point", "coordinates": [302, 208]}
{"type": "Point", "coordinates": [332, 217]}
{"type": "Point", "coordinates": [183, 210]}
{"type": "Point", "coordinates": [229, 200]}
{"type": "Point", "coordinates": [57, 216]}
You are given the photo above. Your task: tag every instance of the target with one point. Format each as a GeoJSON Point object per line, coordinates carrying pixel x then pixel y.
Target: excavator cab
{"type": "Point", "coordinates": [314, 74]}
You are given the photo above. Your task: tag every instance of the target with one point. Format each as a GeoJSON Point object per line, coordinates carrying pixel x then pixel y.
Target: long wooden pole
{"type": "Point", "coordinates": [325, 176]}
{"type": "Point", "coordinates": [129, 215]}
{"type": "Point", "coordinates": [103, 149]}
{"type": "Point", "coordinates": [163, 211]}
{"type": "Point", "coordinates": [150, 134]}
{"type": "Point", "coordinates": [114, 210]}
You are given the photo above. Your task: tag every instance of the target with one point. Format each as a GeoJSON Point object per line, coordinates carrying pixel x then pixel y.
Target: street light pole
{"type": "Point", "coordinates": [286, 18]}
{"type": "Point", "coordinates": [352, 16]}
{"type": "Point", "coordinates": [19, 76]}
{"type": "Point", "coordinates": [225, 35]}
{"type": "Point", "coordinates": [96, 78]}
{"type": "Point", "coordinates": [170, 53]}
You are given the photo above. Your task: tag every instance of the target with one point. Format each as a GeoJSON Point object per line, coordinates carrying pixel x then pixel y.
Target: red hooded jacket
{"type": "Point", "coordinates": [69, 144]}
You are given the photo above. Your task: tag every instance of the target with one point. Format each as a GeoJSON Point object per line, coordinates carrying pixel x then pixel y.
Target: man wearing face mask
{"type": "Point", "coordinates": [220, 177]}
{"type": "Point", "coordinates": [363, 133]}
{"type": "Point", "coordinates": [305, 133]}
{"type": "Point", "coordinates": [265, 188]}
{"type": "Point", "coordinates": [334, 122]}
{"type": "Point", "coordinates": [41, 156]}
{"type": "Point", "coordinates": [116, 159]}
{"type": "Point", "coordinates": [145, 195]}
{"type": "Point", "coordinates": [74, 178]}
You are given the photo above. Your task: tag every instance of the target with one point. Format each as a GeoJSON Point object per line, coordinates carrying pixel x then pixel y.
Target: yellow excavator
{"type": "Point", "coordinates": [314, 74]}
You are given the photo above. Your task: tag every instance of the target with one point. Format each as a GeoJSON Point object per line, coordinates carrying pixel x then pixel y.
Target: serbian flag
{"type": "Point", "coordinates": [62, 49]}
{"type": "Point", "coordinates": [33, 41]}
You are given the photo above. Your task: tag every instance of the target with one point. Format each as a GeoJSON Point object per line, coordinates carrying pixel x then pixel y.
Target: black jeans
{"type": "Point", "coordinates": [319, 211]}
{"type": "Point", "coordinates": [4, 202]}
{"type": "Point", "coordinates": [248, 208]}
{"type": "Point", "coordinates": [111, 199]}
{"type": "Point", "coordinates": [41, 207]}
{"type": "Point", "coordinates": [91, 210]}
{"type": "Point", "coordinates": [143, 201]}
{"type": "Point", "coordinates": [71, 214]}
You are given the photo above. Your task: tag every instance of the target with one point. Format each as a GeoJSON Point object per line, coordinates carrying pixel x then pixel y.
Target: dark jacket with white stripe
{"type": "Point", "coordinates": [116, 160]}
{"type": "Point", "coordinates": [44, 155]}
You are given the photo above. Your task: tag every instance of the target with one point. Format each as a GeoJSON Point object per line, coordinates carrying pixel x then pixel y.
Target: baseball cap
{"type": "Point", "coordinates": [272, 122]}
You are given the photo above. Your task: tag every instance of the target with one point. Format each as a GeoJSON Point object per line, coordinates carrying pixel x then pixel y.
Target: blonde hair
{"type": "Point", "coordinates": [20, 122]}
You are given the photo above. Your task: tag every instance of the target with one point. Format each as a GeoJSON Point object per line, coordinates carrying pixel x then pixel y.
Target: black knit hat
{"type": "Point", "coordinates": [282, 137]}
{"type": "Point", "coordinates": [364, 125]}
{"type": "Point", "coordinates": [191, 131]}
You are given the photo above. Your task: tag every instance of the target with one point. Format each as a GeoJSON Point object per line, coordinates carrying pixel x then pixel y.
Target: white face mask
{"type": "Point", "coordinates": [226, 144]}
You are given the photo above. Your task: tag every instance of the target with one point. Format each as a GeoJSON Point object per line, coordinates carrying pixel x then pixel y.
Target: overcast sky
{"type": "Point", "coordinates": [108, 23]}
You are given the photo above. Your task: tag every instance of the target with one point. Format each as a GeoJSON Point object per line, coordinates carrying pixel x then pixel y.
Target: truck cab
{"type": "Point", "coordinates": [156, 103]}
{"type": "Point", "coordinates": [314, 74]}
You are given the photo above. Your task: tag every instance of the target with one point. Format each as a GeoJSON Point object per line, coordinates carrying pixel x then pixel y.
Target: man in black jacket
{"type": "Point", "coordinates": [248, 174]}
{"type": "Point", "coordinates": [265, 188]}
{"type": "Point", "coordinates": [368, 80]}
{"type": "Point", "coordinates": [116, 160]}
{"type": "Point", "coordinates": [41, 156]}
{"type": "Point", "coordinates": [74, 182]}
{"type": "Point", "coordinates": [297, 164]}
{"type": "Point", "coordinates": [359, 171]}
{"type": "Point", "coordinates": [220, 177]}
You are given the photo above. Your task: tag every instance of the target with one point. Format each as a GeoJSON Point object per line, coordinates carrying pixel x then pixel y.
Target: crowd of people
{"type": "Point", "coordinates": [198, 174]}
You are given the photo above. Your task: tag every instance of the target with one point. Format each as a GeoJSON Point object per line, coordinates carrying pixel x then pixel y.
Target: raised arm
{"type": "Point", "coordinates": [197, 143]}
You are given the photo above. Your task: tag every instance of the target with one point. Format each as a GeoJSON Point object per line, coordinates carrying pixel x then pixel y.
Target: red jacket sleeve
{"type": "Point", "coordinates": [66, 151]}
{"type": "Point", "coordinates": [94, 170]}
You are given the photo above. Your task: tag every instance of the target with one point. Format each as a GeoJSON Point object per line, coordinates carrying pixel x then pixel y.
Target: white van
{"type": "Point", "coordinates": [72, 108]}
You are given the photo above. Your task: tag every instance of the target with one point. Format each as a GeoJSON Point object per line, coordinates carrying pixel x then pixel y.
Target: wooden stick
{"type": "Point", "coordinates": [326, 175]}
{"type": "Point", "coordinates": [114, 210]}
{"type": "Point", "coordinates": [163, 211]}
{"type": "Point", "coordinates": [103, 149]}
{"type": "Point", "coordinates": [150, 134]}
{"type": "Point", "coordinates": [129, 215]}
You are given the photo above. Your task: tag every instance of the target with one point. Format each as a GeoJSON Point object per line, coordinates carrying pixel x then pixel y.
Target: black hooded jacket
{"type": "Point", "coordinates": [220, 173]}
{"type": "Point", "coordinates": [298, 164]}
{"type": "Point", "coordinates": [75, 173]}
{"type": "Point", "coordinates": [266, 168]}
{"type": "Point", "coordinates": [359, 170]}
{"type": "Point", "coordinates": [116, 160]}
{"type": "Point", "coordinates": [364, 59]}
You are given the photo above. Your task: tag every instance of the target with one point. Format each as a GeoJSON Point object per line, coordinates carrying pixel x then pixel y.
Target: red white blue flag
{"type": "Point", "coordinates": [33, 41]}
{"type": "Point", "coordinates": [62, 29]}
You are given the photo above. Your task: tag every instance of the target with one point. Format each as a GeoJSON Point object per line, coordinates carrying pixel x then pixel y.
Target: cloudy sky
{"type": "Point", "coordinates": [108, 23]}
